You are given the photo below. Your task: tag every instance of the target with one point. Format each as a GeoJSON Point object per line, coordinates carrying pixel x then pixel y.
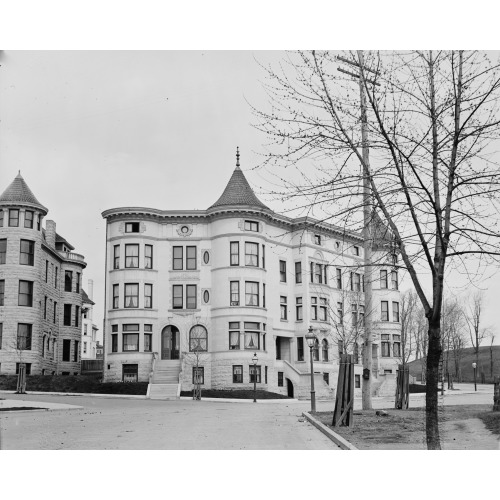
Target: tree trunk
{"type": "Point", "coordinates": [431, 393]}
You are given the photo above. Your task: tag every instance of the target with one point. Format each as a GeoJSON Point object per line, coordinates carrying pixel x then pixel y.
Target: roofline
{"type": "Point", "coordinates": [24, 204]}
{"type": "Point", "coordinates": [211, 213]}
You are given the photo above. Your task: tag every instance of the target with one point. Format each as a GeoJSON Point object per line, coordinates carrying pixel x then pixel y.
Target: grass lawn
{"type": "Point", "coordinates": [404, 429]}
{"type": "Point", "coordinates": [236, 394]}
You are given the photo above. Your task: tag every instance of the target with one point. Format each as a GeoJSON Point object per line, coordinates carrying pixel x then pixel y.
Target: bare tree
{"type": "Point", "coordinates": [474, 317]}
{"type": "Point", "coordinates": [196, 356]}
{"type": "Point", "coordinates": [409, 325]}
{"type": "Point", "coordinates": [432, 117]}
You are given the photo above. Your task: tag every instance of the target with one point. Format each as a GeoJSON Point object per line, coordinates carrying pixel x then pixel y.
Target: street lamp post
{"type": "Point", "coordinates": [311, 341]}
{"type": "Point", "coordinates": [255, 360]}
{"type": "Point", "coordinates": [474, 365]}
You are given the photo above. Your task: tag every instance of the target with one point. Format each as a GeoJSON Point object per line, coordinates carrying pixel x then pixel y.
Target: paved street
{"type": "Point", "coordinates": [122, 424]}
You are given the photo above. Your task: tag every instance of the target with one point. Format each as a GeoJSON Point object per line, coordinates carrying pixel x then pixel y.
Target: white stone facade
{"type": "Point", "coordinates": [267, 257]}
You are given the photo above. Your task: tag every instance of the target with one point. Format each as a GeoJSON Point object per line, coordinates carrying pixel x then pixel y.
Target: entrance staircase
{"type": "Point", "coordinates": [165, 380]}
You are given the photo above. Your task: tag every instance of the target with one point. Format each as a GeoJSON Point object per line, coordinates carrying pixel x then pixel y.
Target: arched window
{"type": "Point", "coordinates": [198, 338]}
{"type": "Point", "coordinates": [324, 348]}
{"type": "Point", "coordinates": [316, 350]}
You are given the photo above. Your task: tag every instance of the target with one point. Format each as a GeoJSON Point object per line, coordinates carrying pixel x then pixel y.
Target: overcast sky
{"type": "Point", "coordinates": [92, 130]}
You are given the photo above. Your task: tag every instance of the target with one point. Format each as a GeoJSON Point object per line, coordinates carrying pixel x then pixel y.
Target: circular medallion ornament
{"type": "Point", "coordinates": [184, 230]}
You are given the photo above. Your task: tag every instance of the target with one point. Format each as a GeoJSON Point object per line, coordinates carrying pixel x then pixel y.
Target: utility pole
{"type": "Point", "coordinates": [367, 243]}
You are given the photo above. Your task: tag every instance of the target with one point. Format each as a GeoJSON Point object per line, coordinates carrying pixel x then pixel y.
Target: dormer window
{"type": "Point", "coordinates": [317, 239]}
{"type": "Point", "coordinates": [251, 226]}
{"type": "Point", "coordinates": [132, 227]}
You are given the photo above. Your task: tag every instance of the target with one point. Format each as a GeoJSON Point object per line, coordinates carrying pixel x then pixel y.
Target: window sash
{"type": "Point", "coordinates": [130, 342]}
{"type": "Point", "coordinates": [234, 250]}
{"type": "Point", "coordinates": [3, 251]}
{"type": "Point", "coordinates": [148, 256]}
{"type": "Point", "coordinates": [148, 341]}
{"type": "Point", "coordinates": [255, 374]}
{"type": "Point", "coordinates": [394, 280]}
{"type": "Point", "coordinates": [251, 293]}
{"type": "Point", "coordinates": [251, 254]}
{"type": "Point", "coordinates": [131, 295]}
{"type": "Point", "coordinates": [68, 281]}
{"type": "Point", "coordinates": [13, 217]}
{"type": "Point", "coordinates": [282, 271]}
{"type": "Point", "coordinates": [383, 279]}
{"type": "Point", "coordinates": [177, 296]}
{"type": "Point", "coordinates": [300, 348]}
{"type": "Point", "coordinates": [252, 340]}
{"type": "Point", "coordinates": [177, 256]}
{"type": "Point", "coordinates": [28, 219]}
{"type": "Point", "coordinates": [235, 293]}
{"type": "Point", "coordinates": [67, 315]}
{"type": "Point", "coordinates": [190, 258]}
{"type": "Point", "coordinates": [234, 340]}
{"type": "Point", "coordinates": [386, 349]}
{"type": "Point", "coordinates": [298, 272]}
{"type": "Point", "coordinates": [237, 374]}
{"type": "Point", "coordinates": [24, 336]}
{"type": "Point", "coordinates": [385, 310]}
{"type": "Point", "coordinates": [132, 256]}
{"type": "Point", "coordinates": [25, 296]}
{"type": "Point", "coordinates": [116, 257]}
{"type": "Point", "coordinates": [395, 311]}
{"type": "Point", "coordinates": [116, 296]}
{"type": "Point", "coordinates": [148, 295]}
{"type": "Point", "coordinates": [190, 296]}
{"type": "Point", "coordinates": [27, 252]}
{"type": "Point", "coordinates": [198, 338]}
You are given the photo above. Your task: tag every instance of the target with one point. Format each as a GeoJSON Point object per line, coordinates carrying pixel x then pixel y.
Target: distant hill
{"type": "Point", "coordinates": [467, 358]}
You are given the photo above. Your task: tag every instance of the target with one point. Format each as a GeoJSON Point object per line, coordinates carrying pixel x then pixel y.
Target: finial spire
{"type": "Point", "coordinates": [237, 156]}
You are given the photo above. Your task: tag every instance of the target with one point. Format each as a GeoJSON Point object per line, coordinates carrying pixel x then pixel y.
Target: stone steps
{"type": "Point", "coordinates": [163, 391]}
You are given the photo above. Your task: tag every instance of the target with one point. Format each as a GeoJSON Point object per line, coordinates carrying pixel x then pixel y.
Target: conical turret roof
{"type": "Point", "coordinates": [19, 193]}
{"type": "Point", "coordinates": [238, 191]}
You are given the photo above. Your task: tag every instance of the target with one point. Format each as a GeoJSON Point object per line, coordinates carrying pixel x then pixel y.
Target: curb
{"type": "Point", "coordinates": [229, 400]}
{"type": "Point", "coordinates": [338, 440]}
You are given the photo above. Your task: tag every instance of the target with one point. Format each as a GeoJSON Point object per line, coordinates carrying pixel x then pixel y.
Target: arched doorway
{"type": "Point", "coordinates": [170, 342]}
{"type": "Point", "coordinates": [289, 388]}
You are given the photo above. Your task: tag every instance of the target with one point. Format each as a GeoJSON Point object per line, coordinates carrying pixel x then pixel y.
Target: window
{"type": "Point", "coordinates": [78, 277]}
{"type": "Point", "coordinates": [198, 338]}
{"type": "Point", "coordinates": [132, 227]}
{"type": "Point", "coordinates": [130, 373]}
{"type": "Point", "coordinates": [55, 312]}
{"type": "Point", "coordinates": [28, 219]}
{"type": "Point", "coordinates": [300, 348]}
{"type": "Point", "coordinates": [283, 271]}
{"type": "Point", "coordinates": [355, 250]}
{"type": "Point", "coordinates": [237, 374]}
{"type": "Point", "coordinates": [190, 296]}
{"type": "Point", "coordinates": [234, 248]}
{"type": "Point", "coordinates": [298, 272]}
{"type": "Point", "coordinates": [318, 275]}
{"type": "Point", "coordinates": [340, 313]}
{"type": "Point", "coordinates": [340, 347]}
{"type": "Point", "coordinates": [234, 335]}
{"type": "Point", "coordinates": [263, 295]}
{"type": "Point", "coordinates": [38, 222]}
{"type": "Point", "coordinates": [76, 351]}
{"type": "Point", "coordinates": [131, 256]}
{"type": "Point", "coordinates": [3, 251]}
{"type": "Point", "coordinates": [45, 308]}
{"type": "Point", "coordinates": [283, 308]}
{"type": "Point", "coordinates": [355, 282]}
{"type": "Point", "coordinates": [27, 253]}
{"type": "Point", "coordinates": [68, 281]}
{"type": "Point", "coordinates": [385, 310]}
{"type": "Point", "coordinates": [251, 293]}
{"type": "Point", "coordinates": [116, 296]}
{"type": "Point", "coordinates": [354, 312]}
{"type": "Point", "coordinates": [339, 278]}
{"type": "Point", "coordinates": [263, 256]}
{"type": "Point", "coordinates": [206, 257]}
{"type": "Point", "coordinates": [357, 381]}
{"type": "Point", "coordinates": [324, 349]}
{"type": "Point", "coordinates": [252, 335]}
{"type": "Point", "coordinates": [355, 353]}
{"type": "Point", "coordinates": [206, 296]}
{"type": "Point", "coordinates": [280, 379]}
{"type": "Point", "coordinates": [317, 239]}
{"type": "Point", "coordinates": [251, 254]}
{"type": "Point", "coordinates": [46, 271]}
{"type": "Point", "coordinates": [2, 292]}
{"type": "Point", "coordinates": [251, 226]}
{"type": "Point", "coordinates": [383, 278]}
{"type": "Point", "coordinates": [77, 315]}
{"type": "Point", "coordinates": [177, 297]}
{"type": "Point", "coordinates": [25, 296]}
{"type": "Point", "coordinates": [148, 295]}
{"type": "Point", "coordinates": [235, 293]}
{"type": "Point", "coordinates": [314, 308]}
{"type": "Point", "coordinates": [395, 312]}
{"type": "Point", "coordinates": [131, 295]}
{"type": "Point", "coordinates": [27, 368]}
{"type": "Point", "coordinates": [316, 350]}
{"type": "Point", "coordinates": [148, 256]}
{"type": "Point", "coordinates": [394, 280]}
{"type": "Point", "coordinates": [191, 258]}
{"type": "Point", "coordinates": [396, 346]}
{"type": "Point", "coordinates": [85, 348]}
{"type": "Point", "coordinates": [55, 277]}
{"type": "Point", "coordinates": [114, 342]}
{"type": "Point", "coordinates": [298, 308]}
{"type": "Point", "coordinates": [24, 331]}
{"type": "Point", "coordinates": [386, 345]}
{"type": "Point", "coordinates": [13, 217]}
{"type": "Point", "coordinates": [148, 338]}
{"type": "Point", "coordinates": [1, 217]}
{"type": "Point", "coordinates": [67, 315]}
{"type": "Point", "coordinates": [323, 304]}
{"type": "Point", "coordinates": [255, 374]}
{"type": "Point", "coordinates": [198, 375]}
{"type": "Point", "coordinates": [177, 258]}
{"type": "Point", "coordinates": [85, 329]}
{"type": "Point", "coordinates": [361, 316]}
{"type": "Point", "coordinates": [116, 257]}
{"type": "Point", "coordinates": [66, 354]}
{"type": "Point", "coordinates": [130, 337]}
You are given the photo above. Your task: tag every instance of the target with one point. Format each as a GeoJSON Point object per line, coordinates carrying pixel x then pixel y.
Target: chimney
{"type": "Point", "coordinates": [50, 233]}
{"type": "Point", "coordinates": [90, 289]}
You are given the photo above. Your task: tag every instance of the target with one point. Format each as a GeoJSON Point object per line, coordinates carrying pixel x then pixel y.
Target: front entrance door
{"type": "Point", "coordinates": [170, 343]}
{"type": "Point", "coordinates": [289, 388]}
